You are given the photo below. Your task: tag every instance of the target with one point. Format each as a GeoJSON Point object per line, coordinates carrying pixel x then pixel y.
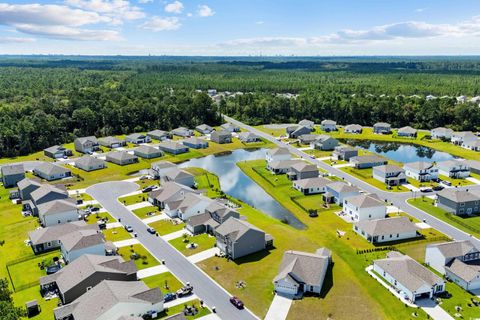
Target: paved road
{"type": "Point", "coordinates": [397, 198]}
{"type": "Point", "coordinates": [208, 290]}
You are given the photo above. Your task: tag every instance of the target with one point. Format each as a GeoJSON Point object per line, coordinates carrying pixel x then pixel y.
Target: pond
{"type": "Point", "coordinates": [401, 152]}
{"type": "Point", "coordinates": [238, 185]}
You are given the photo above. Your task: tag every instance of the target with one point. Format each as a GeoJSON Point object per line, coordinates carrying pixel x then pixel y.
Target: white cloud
{"type": "Point", "coordinates": [268, 42]}
{"type": "Point", "coordinates": [16, 40]}
{"type": "Point", "coordinates": [145, 1]}
{"type": "Point", "coordinates": [420, 9]}
{"type": "Point", "coordinates": [161, 24]}
{"type": "Point", "coordinates": [174, 7]}
{"type": "Point", "coordinates": [69, 33]}
{"type": "Point", "coordinates": [205, 11]}
{"type": "Point", "coordinates": [117, 10]}
{"type": "Point", "coordinates": [189, 14]}
{"type": "Point", "coordinates": [260, 22]}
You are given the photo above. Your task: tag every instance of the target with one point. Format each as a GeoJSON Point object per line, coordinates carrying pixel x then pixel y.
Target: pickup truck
{"type": "Point", "coordinates": [184, 291]}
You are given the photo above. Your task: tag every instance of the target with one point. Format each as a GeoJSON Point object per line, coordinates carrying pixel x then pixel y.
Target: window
{"type": "Point", "coordinates": [383, 237]}
{"type": "Point", "coordinates": [398, 235]}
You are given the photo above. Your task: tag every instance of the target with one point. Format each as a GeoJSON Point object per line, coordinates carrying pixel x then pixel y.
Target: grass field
{"type": "Point", "coordinates": [167, 226]}
{"type": "Point", "coordinates": [94, 217]}
{"type": "Point", "coordinates": [145, 260]}
{"type": "Point", "coordinates": [146, 212]}
{"type": "Point", "coordinates": [203, 242]}
{"type": "Point", "coordinates": [116, 234]}
{"type": "Point", "coordinates": [20, 298]}
{"type": "Point", "coordinates": [204, 180]}
{"type": "Point", "coordinates": [133, 199]}
{"type": "Point", "coordinates": [28, 272]}
{"type": "Point", "coordinates": [159, 280]}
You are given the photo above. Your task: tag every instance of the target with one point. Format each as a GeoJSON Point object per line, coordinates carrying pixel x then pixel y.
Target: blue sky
{"type": "Point", "coordinates": [247, 27]}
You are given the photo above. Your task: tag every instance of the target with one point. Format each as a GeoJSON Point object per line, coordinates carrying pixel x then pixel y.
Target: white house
{"type": "Point", "coordinates": [387, 229]}
{"type": "Point", "coordinates": [80, 242]}
{"type": "Point", "coordinates": [159, 168]}
{"type": "Point", "coordinates": [328, 125]}
{"type": "Point", "coordinates": [459, 137]}
{"type": "Point", "coordinates": [364, 207]}
{"type": "Point", "coordinates": [192, 205]}
{"type": "Point", "coordinates": [439, 255]}
{"type": "Point", "coordinates": [421, 171]}
{"type": "Point", "coordinates": [454, 169]}
{"type": "Point", "coordinates": [390, 174]}
{"type": "Point", "coordinates": [441, 133]}
{"type": "Point", "coordinates": [464, 274]}
{"type": "Point", "coordinates": [311, 185]}
{"type": "Point", "coordinates": [58, 212]}
{"type": "Point", "coordinates": [277, 154]}
{"type": "Point", "coordinates": [471, 144]}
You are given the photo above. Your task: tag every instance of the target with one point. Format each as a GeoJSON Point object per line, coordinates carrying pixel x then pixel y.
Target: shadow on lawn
{"type": "Point", "coordinates": [254, 257]}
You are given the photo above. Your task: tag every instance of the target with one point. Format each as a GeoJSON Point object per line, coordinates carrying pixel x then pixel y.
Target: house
{"type": "Point", "coordinates": [459, 137]}
{"type": "Point", "coordinates": [57, 152]}
{"type": "Point", "coordinates": [191, 205]}
{"type": "Point", "coordinates": [382, 128]}
{"type": "Point", "coordinates": [237, 238]}
{"type": "Point", "coordinates": [86, 144]}
{"type": "Point", "coordinates": [43, 194]}
{"type": "Point", "coordinates": [12, 174]}
{"type": "Point", "coordinates": [58, 211]}
{"type": "Point", "coordinates": [364, 162]}
{"type": "Point", "coordinates": [464, 274]}
{"type": "Point", "coordinates": [408, 277]}
{"type": "Point", "coordinates": [172, 147]}
{"type": "Point", "coordinates": [179, 176]}
{"type": "Point", "coordinates": [158, 169]}
{"type": "Point", "coordinates": [390, 174]}
{"type": "Point", "coordinates": [474, 166]}
{"type": "Point", "coordinates": [111, 142]}
{"type": "Point", "coordinates": [159, 135]}
{"type": "Point", "coordinates": [441, 133]}
{"type": "Point", "coordinates": [121, 158]}
{"type": "Point", "coordinates": [168, 192]}
{"type": "Point", "coordinates": [307, 123]}
{"type": "Point", "coordinates": [247, 137]}
{"type": "Point", "coordinates": [353, 128]}
{"type": "Point", "coordinates": [221, 136]}
{"type": "Point", "coordinates": [26, 187]}
{"type": "Point", "coordinates": [294, 132]}
{"type": "Point", "coordinates": [454, 169]}
{"type": "Point", "coordinates": [182, 132]}
{"type": "Point", "coordinates": [230, 127]}
{"type": "Point", "coordinates": [459, 202]}
{"type": "Point", "coordinates": [471, 144]}
{"type": "Point", "coordinates": [328, 125]}
{"type": "Point", "coordinates": [364, 207]}
{"type": "Point", "coordinates": [46, 239]}
{"type": "Point", "coordinates": [204, 129]}
{"type": "Point", "coordinates": [138, 138]}
{"type": "Point", "coordinates": [387, 229]}
{"type": "Point", "coordinates": [215, 214]}
{"type": "Point", "coordinates": [147, 152]}
{"type": "Point", "coordinates": [440, 255]}
{"type": "Point", "coordinates": [84, 241]}
{"type": "Point", "coordinates": [89, 163]}
{"type": "Point", "coordinates": [311, 185]}
{"type": "Point", "coordinates": [281, 166]}
{"type": "Point", "coordinates": [302, 170]}
{"type": "Point", "coordinates": [324, 142]}
{"type": "Point", "coordinates": [50, 171]}
{"type": "Point", "coordinates": [336, 192]}
{"type": "Point", "coordinates": [277, 154]}
{"type": "Point", "coordinates": [407, 132]}
{"type": "Point", "coordinates": [302, 272]}
{"type": "Point", "coordinates": [421, 171]}
{"type": "Point", "coordinates": [113, 300]}
{"type": "Point", "coordinates": [307, 138]}
{"type": "Point", "coordinates": [86, 272]}
{"type": "Point", "coordinates": [195, 143]}
{"type": "Point", "coordinates": [344, 153]}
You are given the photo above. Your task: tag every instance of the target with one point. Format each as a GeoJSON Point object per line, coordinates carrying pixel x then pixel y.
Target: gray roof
{"type": "Point", "coordinates": [455, 248]}
{"type": "Point", "coordinates": [458, 195]}
{"type": "Point", "coordinates": [474, 164]}
{"type": "Point", "coordinates": [171, 145]}
{"type": "Point", "coordinates": [162, 164]}
{"type": "Point", "coordinates": [220, 209]}
{"type": "Point", "coordinates": [136, 136]}
{"type": "Point", "coordinates": [323, 138]}
{"type": "Point", "coordinates": [317, 182]}
{"type": "Point", "coordinates": [204, 127]}
{"type": "Point", "coordinates": [110, 140]}
{"type": "Point", "coordinates": [442, 130]}
{"type": "Point", "coordinates": [302, 166]}
{"type": "Point", "coordinates": [24, 183]}
{"type": "Point", "coordinates": [389, 168]}
{"type": "Point", "coordinates": [467, 271]}
{"type": "Point", "coordinates": [11, 169]}
{"type": "Point", "coordinates": [230, 125]}
{"type": "Point", "coordinates": [353, 127]}
{"type": "Point", "coordinates": [195, 141]}
{"type": "Point", "coordinates": [107, 294]}
{"type": "Point", "coordinates": [57, 206]}
{"type": "Point", "coordinates": [464, 134]}
{"type": "Point", "coordinates": [345, 149]}
{"type": "Point", "coordinates": [368, 159]}
{"type": "Point", "coordinates": [419, 165]}
{"type": "Point", "coordinates": [235, 228]}
{"type": "Point", "coordinates": [382, 124]}
{"type": "Point", "coordinates": [189, 200]}
{"type": "Point", "coordinates": [387, 226]}
{"type": "Point", "coordinates": [283, 164]}
{"type": "Point", "coordinates": [170, 190]}
{"type": "Point", "coordinates": [221, 133]}
{"type": "Point", "coordinates": [407, 130]}
{"type": "Point", "coordinates": [328, 122]}
{"type": "Point", "coordinates": [180, 130]}
{"type": "Point", "coordinates": [247, 135]}
{"type": "Point", "coordinates": [48, 234]}
{"type": "Point", "coordinates": [175, 173]}
{"type": "Point", "coordinates": [340, 187]}
{"type": "Point", "coordinates": [147, 150]}
{"type": "Point", "coordinates": [120, 155]}
{"type": "Point", "coordinates": [49, 168]}
{"type": "Point", "coordinates": [45, 189]}
{"type": "Point", "coordinates": [449, 164]}
{"type": "Point", "coordinates": [278, 151]}
{"type": "Point", "coordinates": [87, 161]}
{"type": "Point", "coordinates": [93, 139]}
{"type": "Point", "coordinates": [306, 122]}
{"type": "Point", "coordinates": [158, 133]}
{"type": "Point", "coordinates": [80, 239]}
{"type": "Point", "coordinates": [366, 201]}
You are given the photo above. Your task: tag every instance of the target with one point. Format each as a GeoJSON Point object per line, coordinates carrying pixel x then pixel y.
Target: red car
{"type": "Point", "coordinates": [237, 302]}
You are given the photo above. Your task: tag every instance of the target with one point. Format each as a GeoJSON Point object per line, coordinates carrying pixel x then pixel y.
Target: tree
{"type": "Point", "coordinates": [8, 311]}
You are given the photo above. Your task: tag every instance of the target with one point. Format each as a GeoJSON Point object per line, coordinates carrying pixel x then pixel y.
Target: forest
{"type": "Point", "coordinates": [51, 100]}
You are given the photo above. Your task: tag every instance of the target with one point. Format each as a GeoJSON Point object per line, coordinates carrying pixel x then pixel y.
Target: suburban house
{"type": "Point", "coordinates": [147, 152]}
{"type": "Point", "coordinates": [50, 171]}
{"type": "Point", "coordinates": [353, 128]}
{"type": "Point", "coordinates": [454, 169]}
{"type": "Point", "coordinates": [409, 277]}
{"type": "Point", "coordinates": [84, 241]}
{"type": "Point", "coordinates": [281, 166]}
{"type": "Point", "coordinates": [230, 127]}
{"type": "Point", "coordinates": [474, 166]}
{"type": "Point", "coordinates": [307, 123]}
{"type": "Point", "coordinates": [111, 142]}
{"type": "Point", "coordinates": [43, 194]}
{"type": "Point", "coordinates": [86, 144]}
{"type": "Point", "coordinates": [459, 137]}
{"type": "Point", "coordinates": [302, 272]}
{"type": "Point", "coordinates": [179, 176]}
{"type": "Point", "coordinates": [58, 211]}
{"type": "Point", "coordinates": [159, 135]}
{"type": "Point", "coordinates": [237, 238]}
{"type": "Point", "coordinates": [26, 187]}
{"type": "Point", "coordinates": [12, 174]}
{"type": "Point", "coordinates": [464, 274]}
{"type": "Point", "coordinates": [302, 170]}
{"type": "Point", "coordinates": [328, 125]}
{"type": "Point", "coordinates": [45, 239]}
{"type": "Point", "coordinates": [191, 205]}
{"type": "Point", "coordinates": [172, 147]}
{"type": "Point", "coordinates": [113, 300]}
{"type": "Point", "coordinates": [195, 143]}
{"type": "Point", "coordinates": [441, 133]}
{"type": "Point", "coordinates": [89, 163]}
{"type": "Point", "coordinates": [86, 272]}
{"type": "Point", "coordinates": [459, 202]}
{"type": "Point", "coordinates": [364, 162]}
{"type": "Point", "coordinates": [336, 192]}
{"type": "Point", "coordinates": [344, 153]}
{"type": "Point", "coordinates": [382, 128]}
{"type": "Point", "coordinates": [307, 138]}
{"type": "Point", "coordinates": [311, 185]}
{"type": "Point", "coordinates": [56, 152]}
{"type": "Point", "coordinates": [407, 132]}
{"type": "Point", "coordinates": [471, 144]}
{"type": "Point", "coordinates": [182, 132]}
{"type": "Point", "coordinates": [168, 192]}
{"type": "Point", "coordinates": [421, 171]}
{"type": "Point", "coordinates": [386, 229]}
{"type": "Point", "coordinates": [158, 169]}
{"type": "Point", "coordinates": [215, 214]}
{"type": "Point", "coordinates": [138, 138]}
{"type": "Point", "coordinates": [121, 158]}
{"type": "Point", "coordinates": [294, 132]}
{"type": "Point", "coordinates": [221, 136]}
{"type": "Point", "coordinates": [204, 129]}
{"type": "Point", "coordinates": [277, 154]}
{"type": "Point", "coordinates": [390, 174]}
{"type": "Point", "coordinates": [364, 207]}
{"type": "Point", "coordinates": [324, 142]}
{"type": "Point", "coordinates": [247, 137]}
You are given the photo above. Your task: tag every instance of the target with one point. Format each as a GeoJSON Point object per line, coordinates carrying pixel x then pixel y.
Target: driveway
{"type": "Point", "coordinates": [206, 288]}
{"type": "Point", "coordinates": [279, 308]}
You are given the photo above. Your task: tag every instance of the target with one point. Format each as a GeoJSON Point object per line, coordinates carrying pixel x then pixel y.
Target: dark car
{"type": "Point", "coordinates": [151, 230]}
{"type": "Point", "coordinates": [447, 183]}
{"type": "Point", "coordinates": [237, 302]}
{"type": "Point", "coordinates": [438, 188]}
{"type": "Point", "coordinates": [169, 296]}
{"type": "Point", "coordinates": [128, 228]}
{"type": "Point", "coordinates": [94, 209]}
{"type": "Point", "coordinates": [147, 189]}
{"type": "Point", "coordinates": [53, 269]}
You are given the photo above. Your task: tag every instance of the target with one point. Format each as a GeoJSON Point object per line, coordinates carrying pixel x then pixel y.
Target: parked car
{"type": "Point", "coordinates": [426, 189]}
{"type": "Point", "coordinates": [438, 188]}
{"type": "Point", "coordinates": [94, 209]}
{"type": "Point", "coordinates": [128, 228]}
{"type": "Point", "coordinates": [237, 302]}
{"type": "Point", "coordinates": [185, 290]}
{"type": "Point", "coordinates": [151, 230]}
{"type": "Point", "coordinates": [148, 189]}
{"type": "Point", "coordinates": [169, 296]}
{"type": "Point", "coordinates": [447, 183]}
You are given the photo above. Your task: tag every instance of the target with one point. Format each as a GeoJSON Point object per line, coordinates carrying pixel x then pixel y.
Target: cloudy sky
{"type": "Point", "coordinates": [245, 27]}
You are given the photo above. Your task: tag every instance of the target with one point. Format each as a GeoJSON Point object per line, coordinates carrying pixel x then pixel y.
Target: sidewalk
{"type": "Point", "coordinates": [124, 243]}
{"type": "Point", "coordinates": [206, 254]}
{"type": "Point", "coordinates": [279, 308]}
{"type": "Point", "coordinates": [74, 192]}
{"type": "Point", "coordinates": [152, 271]}
{"type": "Point", "coordinates": [139, 205]}
{"type": "Point", "coordinates": [476, 181]}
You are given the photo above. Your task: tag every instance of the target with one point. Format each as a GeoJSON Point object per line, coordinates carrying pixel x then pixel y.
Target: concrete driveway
{"type": "Point", "coordinates": [279, 308]}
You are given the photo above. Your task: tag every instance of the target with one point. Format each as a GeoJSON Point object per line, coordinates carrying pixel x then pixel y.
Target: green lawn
{"type": "Point", "coordinates": [21, 297]}
{"type": "Point", "coordinates": [204, 180]}
{"type": "Point", "coordinates": [94, 217]}
{"type": "Point", "coordinates": [116, 234]}
{"type": "Point", "coordinates": [146, 212]}
{"type": "Point", "coordinates": [273, 132]}
{"type": "Point", "coordinates": [27, 273]}
{"type": "Point", "coordinates": [159, 280]}
{"type": "Point", "coordinates": [203, 242]}
{"type": "Point", "coordinates": [136, 198]}
{"type": "Point", "coordinates": [366, 175]}
{"type": "Point", "coordinates": [144, 260]}
{"type": "Point", "coordinates": [167, 226]}
{"type": "Point", "coordinates": [179, 308]}
{"type": "Point", "coordinates": [462, 299]}
{"type": "Point", "coordinates": [83, 196]}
